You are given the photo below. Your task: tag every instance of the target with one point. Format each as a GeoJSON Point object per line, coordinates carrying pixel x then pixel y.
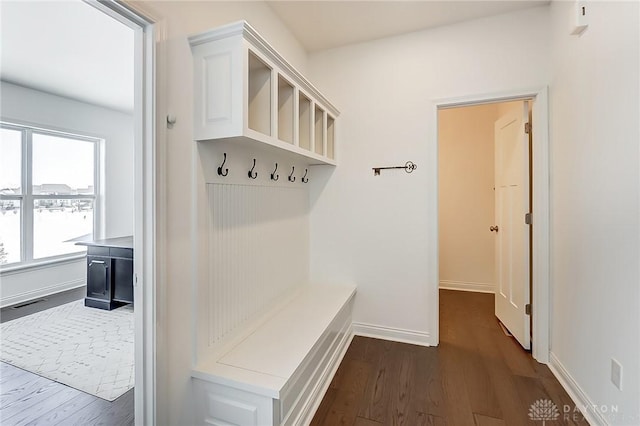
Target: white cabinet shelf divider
{"type": "Point", "coordinates": [245, 91]}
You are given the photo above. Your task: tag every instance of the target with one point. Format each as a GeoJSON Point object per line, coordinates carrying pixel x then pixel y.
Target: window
{"type": "Point", "coordinates": [47, 193]}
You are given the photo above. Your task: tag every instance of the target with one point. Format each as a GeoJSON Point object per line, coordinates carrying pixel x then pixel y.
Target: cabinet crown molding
{"type": "Point", "coordinates": [244, 29]}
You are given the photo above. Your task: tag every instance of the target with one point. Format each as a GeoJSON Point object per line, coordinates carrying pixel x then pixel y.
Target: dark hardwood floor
{"type": "Point", "coordinates": [476, 376]}
{"type": "Point", "coordinates": [29, 399]}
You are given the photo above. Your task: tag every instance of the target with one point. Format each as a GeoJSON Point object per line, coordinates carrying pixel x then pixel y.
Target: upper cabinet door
{"type": "Point", "coordinates": [218, 70]}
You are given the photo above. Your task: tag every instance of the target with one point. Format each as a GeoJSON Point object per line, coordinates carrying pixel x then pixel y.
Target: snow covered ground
{"type": "Point", "coordinates": [51, 228]}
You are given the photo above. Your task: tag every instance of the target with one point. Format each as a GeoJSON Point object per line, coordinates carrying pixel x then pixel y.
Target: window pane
{"type": "Point", "coordinates": [62, 165]}
{"type": "Point", "coordinates": [58, 224]}
{"type": "Point", "coordinates": [10, 161]}
{"type": "Point", "coordinates": [9, 231]}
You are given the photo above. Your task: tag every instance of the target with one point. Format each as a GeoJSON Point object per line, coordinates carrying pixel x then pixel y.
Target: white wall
{"type": "Point", "coordinates": [176, 340]}
{"type": "Point", "coordinates": [595, 136]}
{"type": "Point", "coordinates": [380, 231]}
{"type": "Point", "coordinates": [466, 197]}
{"type": "Point", "coordinates": [20, 286]}
{"type": "Point", "coordinates": [30, 106]}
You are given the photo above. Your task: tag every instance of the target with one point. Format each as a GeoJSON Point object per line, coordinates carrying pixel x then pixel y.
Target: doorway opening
{"type": "Point", "coordinates": [484, 186]}
{"type": "Point", "coordinates": [60, 106]}
{"type": "Point", "coordinates": [471, 244]}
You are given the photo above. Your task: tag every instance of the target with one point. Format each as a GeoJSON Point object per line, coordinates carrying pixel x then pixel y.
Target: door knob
{"type": "Point", "coordinates": [493, 228]}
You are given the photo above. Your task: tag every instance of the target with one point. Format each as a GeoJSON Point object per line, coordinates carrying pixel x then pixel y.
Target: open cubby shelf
{"type": "Point", "coordinates": [259, 96]}
{"type": "Point", "coordinates": [331, 128]}
{"type": "Point", "coordinates": [318, 131]}
{"type": "Point", "coordinates": [285, 110]}
{"type": "Point", "coordinates": [304, 122]}
{"type": "Point", "coordinates": [244, 90]}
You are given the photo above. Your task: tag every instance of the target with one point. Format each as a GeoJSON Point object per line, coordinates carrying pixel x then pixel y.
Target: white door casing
{"type": "Point", "coordinates": [149, 32]}
{"type": "Point", "coordinates": [512, 235]}
{"type": "Point", "coordinates": [540, 265]}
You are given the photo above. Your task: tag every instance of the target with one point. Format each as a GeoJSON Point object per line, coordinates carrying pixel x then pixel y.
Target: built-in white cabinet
{"type": "Point", "coordinates": [244, 90]}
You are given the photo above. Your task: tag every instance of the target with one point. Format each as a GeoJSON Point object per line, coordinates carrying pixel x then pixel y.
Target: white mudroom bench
{"type": "Point", "coordinates": [276, 371]}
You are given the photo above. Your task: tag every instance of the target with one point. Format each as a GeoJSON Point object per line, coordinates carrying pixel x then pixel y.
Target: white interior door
{"type": "Point", "coordinates": [512, 233]}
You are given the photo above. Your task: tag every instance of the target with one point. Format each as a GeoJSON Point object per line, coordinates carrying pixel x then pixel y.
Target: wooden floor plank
{"type": "Point", "coordinates": [455, 396]}
{"type": "Point", "coordinates": [480, 390]}
{"type": "Point", "coordinates": [9, 372]}
{"type": "Point", "coordinates": [325, 405]}
{"type": "Point", "coordinates": [15, 383]}
{"type": "Point", "coordinates": [512, 353]}
{"type": "Point", "coordinates": [377, 396]}
{"type": "Point", "coordinates": [41, 404]}
{"type": "Point", "coordinates": [365, 422]}
{"type": "Point", "coordinates": [31, 396]}
{"type": "Point", "coordinates": [344, 409]}
{"type": "Point", "coordinates": [423, 419]}
{"type": "Point", "coordinates": [514, 409]}
{"type": "Point", "coordinates": [426, 397]}
{"type": "Point", "coordinates": [401, 395]}
{"type": "Point", "coordinates": [87, 415]}
{"type": "Point", "coordinates": [482, 420]}
{"type": "Point", "coordinates": [58, 414]}
{"type": "Point", "coordinates": [17, 389]}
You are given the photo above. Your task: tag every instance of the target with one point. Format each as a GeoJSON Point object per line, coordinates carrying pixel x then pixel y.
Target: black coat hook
{"type": "Point", "coordinates": [291, 177]}
{"type": "Point", "coordinates": [304, 178]}
{"type": "Point", "coordinates": [226, 171]}
{"type": "Point", "coordinates": [274, 176]}
{"type": "Point", "coordinates": [251, 173]}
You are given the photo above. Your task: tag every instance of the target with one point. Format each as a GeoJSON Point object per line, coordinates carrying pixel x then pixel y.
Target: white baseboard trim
{"type": "Point", "coordinates": [41, 292]}
{"type": "Point", "coordinates": [395, 334]}
{"type": "Point", "coordinates": [579, 397]}
{"type": "Point", "coordinates": [467, 286]}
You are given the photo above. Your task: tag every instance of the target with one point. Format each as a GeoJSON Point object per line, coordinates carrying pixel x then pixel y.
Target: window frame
{"type": "Point", "coordinates": [27, 198]}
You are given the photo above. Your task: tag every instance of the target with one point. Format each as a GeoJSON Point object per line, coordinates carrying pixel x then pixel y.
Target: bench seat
{"type": "Point", "coordinates": [277, 372]}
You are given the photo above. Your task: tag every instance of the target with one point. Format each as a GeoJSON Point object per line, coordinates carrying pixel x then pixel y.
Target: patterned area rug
{"type": "Point", "coordinates": [86, 348]}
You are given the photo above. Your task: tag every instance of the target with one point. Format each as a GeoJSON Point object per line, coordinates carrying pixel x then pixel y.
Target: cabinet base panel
{"type": "Point", "coordinates": [102, 304]}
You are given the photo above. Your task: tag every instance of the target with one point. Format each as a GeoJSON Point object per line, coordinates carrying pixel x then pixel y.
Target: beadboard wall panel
{"type": "Point", "coordinates": [258, 251]}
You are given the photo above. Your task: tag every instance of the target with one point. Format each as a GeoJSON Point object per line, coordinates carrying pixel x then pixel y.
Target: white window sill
{"type": "Point", "coordinates": [47, 263]}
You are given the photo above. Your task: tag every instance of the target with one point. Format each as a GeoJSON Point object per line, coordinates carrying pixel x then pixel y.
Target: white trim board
{"type": "Point", "coordinates": [579, 397]}
{"type": "Point", "coordinates": [541, 214]}
{"type": "Point", "coordinates": [50, 263]}
{"type": "Point", "coordinates": [394, 334]}
{"type": "Point", "coordinates": [42, 292]}
{"type": "Point", "coordinates": [149, 35]}
{"type": "Point", "coordinates": [467, 286]}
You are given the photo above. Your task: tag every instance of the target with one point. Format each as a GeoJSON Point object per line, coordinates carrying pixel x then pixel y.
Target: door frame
{"type": "Point", "coordinates": [540, 249]}
{"type": "Point", "coordinates": [149, 34]}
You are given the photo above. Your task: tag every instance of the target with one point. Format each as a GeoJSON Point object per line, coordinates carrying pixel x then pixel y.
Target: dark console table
{"type": "Point", "coordinates": [109, 272]}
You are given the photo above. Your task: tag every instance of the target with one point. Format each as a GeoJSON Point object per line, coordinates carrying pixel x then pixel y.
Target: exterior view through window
{"type": "Point", "coordinates": [47, 193]}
